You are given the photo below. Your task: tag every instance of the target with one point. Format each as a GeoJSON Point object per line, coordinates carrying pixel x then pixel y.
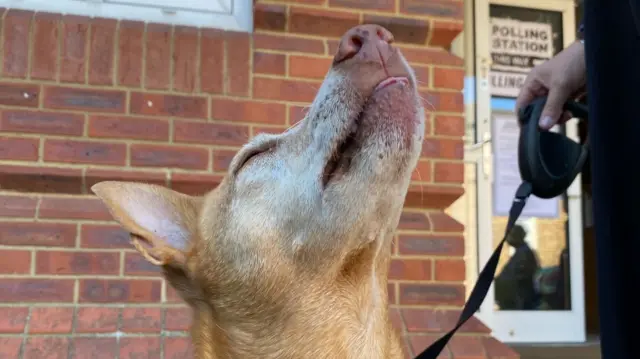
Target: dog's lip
{"type": "Point", "coordinates": [392, 80]}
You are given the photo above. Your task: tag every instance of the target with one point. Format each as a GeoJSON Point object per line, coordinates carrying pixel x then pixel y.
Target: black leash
{"type": "Point", "coordinates": [548, 163]}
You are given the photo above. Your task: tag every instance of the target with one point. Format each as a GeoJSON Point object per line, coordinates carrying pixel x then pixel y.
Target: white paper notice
{"type": "Point", "coordinates": [507, 178]}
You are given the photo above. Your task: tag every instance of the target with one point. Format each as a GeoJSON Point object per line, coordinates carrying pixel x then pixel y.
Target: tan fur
{"type": "Point", "coordinates": [273, 263]}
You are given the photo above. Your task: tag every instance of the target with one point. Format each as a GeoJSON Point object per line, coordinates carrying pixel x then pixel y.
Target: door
{"type": "Point", "coordinates": [542, 299]}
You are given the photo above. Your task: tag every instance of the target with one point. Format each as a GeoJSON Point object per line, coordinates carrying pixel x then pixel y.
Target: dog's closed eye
{"type": "Point", "coordinates": [252, 155]}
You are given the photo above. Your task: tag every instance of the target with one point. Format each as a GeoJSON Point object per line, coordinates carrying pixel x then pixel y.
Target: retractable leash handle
{"type": "Point", "coordinates": [548, 163]}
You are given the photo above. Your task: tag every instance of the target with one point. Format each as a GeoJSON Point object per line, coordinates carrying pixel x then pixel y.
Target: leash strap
{"type": "Point", "coordinates": [485, 278]}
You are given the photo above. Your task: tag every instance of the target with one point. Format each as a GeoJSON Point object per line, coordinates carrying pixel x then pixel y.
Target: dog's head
{"type": "Point", "coordinates": [308, 213]}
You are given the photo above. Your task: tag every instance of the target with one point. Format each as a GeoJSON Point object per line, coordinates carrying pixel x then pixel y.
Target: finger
{"type": "Point", "coordinates": [553, 109]}
{"type": "Point", "coordinates": [526, 95]}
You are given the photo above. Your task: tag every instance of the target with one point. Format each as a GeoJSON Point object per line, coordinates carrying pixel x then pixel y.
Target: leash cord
{"type": "Point", "coordinates": [485, 278]}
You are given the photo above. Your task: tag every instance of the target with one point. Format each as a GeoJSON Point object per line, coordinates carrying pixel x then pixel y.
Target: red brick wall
{"type": "Point", "coordinates": [88, 100]}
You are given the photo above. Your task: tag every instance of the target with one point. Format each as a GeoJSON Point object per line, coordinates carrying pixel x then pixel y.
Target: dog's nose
{"type": "Point", "coordinates": [370, 42]}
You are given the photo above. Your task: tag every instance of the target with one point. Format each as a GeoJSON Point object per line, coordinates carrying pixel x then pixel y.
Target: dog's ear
{"type": "Point", "coordinates": [162, 222]}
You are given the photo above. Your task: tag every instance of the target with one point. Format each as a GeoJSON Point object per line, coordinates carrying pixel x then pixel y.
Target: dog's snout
{"type": "Point", "coordinates": [371, 42]}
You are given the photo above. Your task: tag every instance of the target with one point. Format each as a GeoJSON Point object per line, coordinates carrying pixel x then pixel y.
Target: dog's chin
{"type": "Point", "coordinates": [382, 139]}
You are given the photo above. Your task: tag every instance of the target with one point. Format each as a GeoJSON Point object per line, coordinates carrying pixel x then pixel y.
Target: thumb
{"type": "Point", "coordinates": [553, 109]}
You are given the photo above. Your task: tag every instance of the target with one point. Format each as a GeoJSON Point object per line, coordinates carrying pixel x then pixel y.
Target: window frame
{"type": "Point", "coordinates": [228, 15]}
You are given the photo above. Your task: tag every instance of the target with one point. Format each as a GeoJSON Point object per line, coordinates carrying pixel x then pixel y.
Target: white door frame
{"type": "Point", "coordinates": [520, 326]}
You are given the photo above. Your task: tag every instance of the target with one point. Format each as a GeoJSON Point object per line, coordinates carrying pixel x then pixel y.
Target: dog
{"type": "Point", "coordinates": [288, 257]}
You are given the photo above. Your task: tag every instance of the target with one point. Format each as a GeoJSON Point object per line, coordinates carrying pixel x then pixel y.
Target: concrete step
{"type": "Point", "coordinates": [588, 350]}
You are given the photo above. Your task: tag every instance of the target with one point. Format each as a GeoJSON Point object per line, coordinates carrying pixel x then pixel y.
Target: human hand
{"type": "Point", "coordinates": [562, 77]}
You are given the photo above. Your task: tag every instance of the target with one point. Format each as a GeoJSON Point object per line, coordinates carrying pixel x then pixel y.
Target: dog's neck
{"type": "Point", "coordinates": [302, 323]}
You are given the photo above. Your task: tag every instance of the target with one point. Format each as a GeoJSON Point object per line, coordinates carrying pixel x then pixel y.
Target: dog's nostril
{"type": "Point", "coordinates": [349, 47]}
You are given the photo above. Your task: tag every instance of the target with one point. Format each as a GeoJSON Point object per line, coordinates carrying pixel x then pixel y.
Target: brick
{"type": "Point", "coordinates": [177, 348]}
{"type": "Point", "coordinates": [141, 320]}
{"type": "Point", "coordinates": [309, 67]}
{"type": "Point", "coordinates": [10, 347]}
{"type": "Point", "coordinates": [77, 263]}
{"type": "Point", "coordinates": [270, 17]}
{"type": "Point", "coordinates": [418, 343]}
{"type": "Point", "coordinates": [30, 290]}
{"type": "Point", "coordinates": [410, 269]}
{"type": "Point", "coordinates": [380, 5]}
{"type": "Point", "coordinates": [466, 347]}
{"type": "Point", "coordinates": [95, 175]}
{"type": "Point", "coordinates": [128, 128]}
{"type": "Point", "coordinates": [17, 206]}
{"type": "Point", "coordinates": [172, 295]}
{"type": "Point", "coordinates": [431, 294]}
{"type": "Point", "coordinates": [238, 71]}
{"type": "Point", "coordinates": [17, 24]}
{"type": "Point", "coordinates": [37, 234]}
{"type": "Point", "coordinates": [287, 43]}
{"type": "Point", "coordinates": [46, 348]}
{"type": "Point", "coordinates": [449, 172]}
{"type": "Point", "coordinates": [15, 262]}
{"type": "Point", "coordinates": [449, 125]}
{"type": "Point", "coordinates": [438, 8]}
{"type": "Point", "coordinates": [19, 149]}
{"type": "Point", "coordinates": [158, 56]}
{"type": "Point", "coordinates": [248, 111]}
{"type": "Point", "coordinates": [168, 105]}
{"type": "Point", "coordinates": [221, 160]}
{"type": "Point", "coordinates": [185, 46]}
{"type": "Point", "coordinates": [450, 270]}
{"type": "Point", "coordinates": [422, 172]}
{"type": "Point", "coordinates": [194, 184]}
{"type": "Point", "coordinates": [443, 148]}
{"type": "Point", "coordinates": [95, 348]}
{"type": "Point", "coordinates": [140, 348]}
{"type": "Point", "coordinates": [74, 49]}
{"type": "Point", "coordinates": [269, 63]}
{"type": "Point", "coordinates": [97, 320]}
{"type": "Point", "coordinates": [438, 321]}
{"type": "Point", "coordinates": [422, 74]}
{"type": "Point", "coordinates": [297, 113]}
{"type": "Point", "coordinates": [430, 56]}
{"type": "Point", "coordinates": [442, 222]}
{"type": "Point", "coordinates": [414, 221]}
{"type": "Point", "coordinates": [81, 99]}
{"type": "Point", "coordinates": [321, 22]}
{"type": "Point", "coordinates": [136, 265]}
{"type": "Point", "coordinates": [284, 90]}
{"type": "Point", "coordinates": [496, 349]}
{"type": "Point", "coordinates": [210, 133]}
{"type": "Point", "coordinates": [68, 151]}
{"type": "Point", "coordinates": [105, 236]}
{"type": "Point", "coordinates": [444, 32]}
{"type": "Point", "coordinates": [130, 44]}
{"type": "Point", "coordinates": [101, 51]}
{"type": "Point", "coordinates": [169, 156]}
{"type": "Point", "coordinates": [178, 319]}
{"type": "Point", "coordinates": [42, 122]}
{"type": "Point", "coordinates": [306, 2]}
{"type": "Point", "coordinates": [13, 320]}
{"type": "Point", "coordinates": [73, 208]}
{"type": "Point", "coordinates": [40, 179]}
{"type": "Point", "coordinates": [430, 245]}
{"type": "Point", "coordinates": [444, 101]}
{"type": "Point", "coordinates": [211, 62]}
{"type": "Point", "coordinates": [119, 291]}
{"type": "Point", "coordinates": [46, 35]}
{"type": "Point", "coordinates": [51, 320]}
{"type": "Point", "coordinates": [448, 78]}
{"type": "Point", "coordinates": [14, 94]}
{"type": "Point", "coordinates": [404, 29]}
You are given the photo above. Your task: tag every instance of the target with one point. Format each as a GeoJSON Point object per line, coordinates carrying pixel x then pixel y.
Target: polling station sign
{"type": "Point", "coordinates": [516, 47]}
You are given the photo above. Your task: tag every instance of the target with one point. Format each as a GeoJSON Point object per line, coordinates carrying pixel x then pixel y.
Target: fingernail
{"type": "Point", "coordinates": [546, 122]}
